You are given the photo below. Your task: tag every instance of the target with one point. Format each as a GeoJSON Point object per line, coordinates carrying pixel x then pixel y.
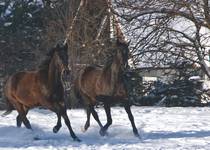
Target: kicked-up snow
{"type": "Point", "coordinates": [160, 128]}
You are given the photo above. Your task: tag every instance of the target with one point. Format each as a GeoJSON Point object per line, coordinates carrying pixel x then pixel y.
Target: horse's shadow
{"type": "Point", "coordinates": [179, 134]}
{"type": "Point", "coordinates": [118, 137]}
{"type": "Point", "coordinates": [14, 137]}
{"type": "Point", "coordinates": [11, 136]}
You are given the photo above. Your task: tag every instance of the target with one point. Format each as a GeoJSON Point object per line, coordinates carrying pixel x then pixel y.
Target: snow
{"type": "Point", "coordinates": [2, 3]}
{"type": "Point", "coordinates": [160, 128]}
{"type": "Point", "coordinates": [6, 24]}
{"type": "Point", "coordinates": [206, 85]}
{"type": "Point", "coordinates": [195, 78]}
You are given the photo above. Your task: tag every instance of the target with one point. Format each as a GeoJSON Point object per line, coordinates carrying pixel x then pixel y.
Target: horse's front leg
{"type": "Point", "coordinates": [130, 116]}
{"type": "Point", "coordinates": [58, 125]}
{"type": "Point", "coordinates": [55, 107]}
{"type": "Point", "coordinates": [62, 112]}
{"type": "Point", "coordinates": [109, 119]}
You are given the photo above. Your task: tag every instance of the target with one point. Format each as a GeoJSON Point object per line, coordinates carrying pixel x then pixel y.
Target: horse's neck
{"type": "Point", "coordinates": [54, 79]}
{"type": "Point", "coordinates": [114, 76]}
{"type": "Point", "coordinates": [115, 69]}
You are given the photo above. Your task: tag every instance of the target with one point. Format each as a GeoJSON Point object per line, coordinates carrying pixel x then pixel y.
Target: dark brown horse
{"type": "Point", "coordinates": [106, 85]}
{"type": "Point", "coordinates": [42, 87]}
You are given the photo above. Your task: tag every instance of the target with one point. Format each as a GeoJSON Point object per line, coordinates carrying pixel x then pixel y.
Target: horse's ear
{"type": "Point", "coordinates": [66, 46]}
{"type": "Point", "coordinates": [123, 42]}
{"type": "Point", "coordinates": [57, 46]}
{"type": "Point", "coordinates": [118, 42]}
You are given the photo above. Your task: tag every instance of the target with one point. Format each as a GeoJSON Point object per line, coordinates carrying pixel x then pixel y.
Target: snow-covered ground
{"type": "Point", "coordinates": [161, 128]}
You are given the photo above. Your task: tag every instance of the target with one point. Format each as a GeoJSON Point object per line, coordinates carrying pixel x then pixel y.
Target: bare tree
{"type": "Point", "coordinates": [165, 32]}
{"type": "Point", "coordinates": [81, 22]}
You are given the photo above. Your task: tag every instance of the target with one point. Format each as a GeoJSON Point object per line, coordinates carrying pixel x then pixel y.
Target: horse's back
{"type": "Point", "coordinates": [90, 72]}
{"type": "Point", "coordinates": [19, 78]}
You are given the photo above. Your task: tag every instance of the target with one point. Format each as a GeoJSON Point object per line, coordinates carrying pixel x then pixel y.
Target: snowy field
{"type": "Point", "coordinates": [161, 128]}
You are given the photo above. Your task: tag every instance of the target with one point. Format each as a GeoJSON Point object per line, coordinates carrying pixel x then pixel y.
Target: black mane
{"type": "Point", "coordinates": [45, 63]}
{"type": "Point", "coordinates": [108, 63]}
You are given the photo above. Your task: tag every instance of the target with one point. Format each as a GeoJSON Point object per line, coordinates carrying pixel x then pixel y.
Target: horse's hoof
{"type": "Point", "coordinates": [138, 136]}
{"type": "Point", "coordinates": [36, 138]}
{"type": "Point", "coordinates": [83, 130]}
{"type": "Point", "coordinates": [103, 132]}
{"type": "Point", "coordinates": [77, 139]}
{"type": "Point", "coordinates": [55, 129]}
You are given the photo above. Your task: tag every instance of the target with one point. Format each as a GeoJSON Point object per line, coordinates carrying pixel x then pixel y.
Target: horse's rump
{"type": "Point", "coordinates": [22, 88]}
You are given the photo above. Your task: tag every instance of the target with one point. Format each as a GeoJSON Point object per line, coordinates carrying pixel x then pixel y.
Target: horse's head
{"type": "Point", "coordinates": [61, 61]}
{"type": "Point", "coordinates": [122, 52]}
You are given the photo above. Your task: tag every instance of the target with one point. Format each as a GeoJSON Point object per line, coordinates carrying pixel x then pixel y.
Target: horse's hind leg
{"type": "Point", "coordinates": [18, 120]}
{"type": "Point", "coordinates": [22, 112]}
{"type": "Point", "coordinates": [130, 116]}
{"type": "Point", "coordinates": [26, 122]}
{"type": "Point", "coordinates": [58, 125]}
{"type": "Point", "coordinates": [95, 115]}
{"type": "Point", "coordinates": [109, 119]}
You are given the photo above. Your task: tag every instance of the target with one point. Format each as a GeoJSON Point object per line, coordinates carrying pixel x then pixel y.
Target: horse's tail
{"type": "Point", "coordinates": [9, 109]}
